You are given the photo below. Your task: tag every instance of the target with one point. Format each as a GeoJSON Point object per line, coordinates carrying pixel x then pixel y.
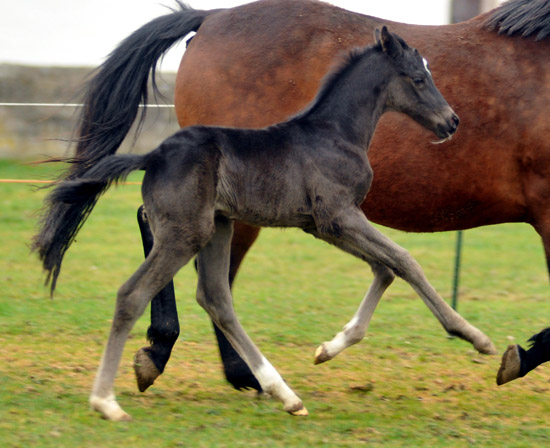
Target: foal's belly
{"type": "Point", "coordinates": [261, 218]}
{"type": "Point", "coordinates": [265, 208]}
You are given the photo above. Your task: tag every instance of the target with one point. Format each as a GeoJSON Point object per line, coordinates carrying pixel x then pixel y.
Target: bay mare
{"type": "Point", "coordinates": [492, 69]}
{"type": "Point", "coordinates": [310, 172]}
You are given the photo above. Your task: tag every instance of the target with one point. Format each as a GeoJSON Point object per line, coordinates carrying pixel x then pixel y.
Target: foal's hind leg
{"type": "Point", "coordinates": [156, 271]}
{"type": "Point", "coordinates": [354, 331]}
{"type": "Point", "coordinates": [357, 232]}
{"type": "Point", "coordinates": [149, 362]}
{"type": "Point", "coordinates": [236, 371]}
{"type": "Point", "coordinates": [214, 295]}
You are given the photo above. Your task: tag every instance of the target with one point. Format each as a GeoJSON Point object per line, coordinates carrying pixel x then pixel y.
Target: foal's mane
{"type": "Point", "coordinates": [522, 17]}
{"type": "Point", "coordinates": [346, 65]}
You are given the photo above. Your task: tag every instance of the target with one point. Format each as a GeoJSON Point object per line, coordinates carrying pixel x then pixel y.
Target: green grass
{"type": "Point", "coordinates": [405, 385]}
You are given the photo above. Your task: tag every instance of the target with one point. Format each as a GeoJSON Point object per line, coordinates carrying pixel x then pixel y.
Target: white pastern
{"type": "Point", "coordinates": [273, 384]}
{"type": "Point", "coordinates": [108, 408]}
{"type": "Point", "coordinates": [350, 334]}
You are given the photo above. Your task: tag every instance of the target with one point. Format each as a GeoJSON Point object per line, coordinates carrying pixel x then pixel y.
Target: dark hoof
{"type": "Point", "coordinates": [146, 372]}
{"type": "Point", "coordinates": [510, 365]}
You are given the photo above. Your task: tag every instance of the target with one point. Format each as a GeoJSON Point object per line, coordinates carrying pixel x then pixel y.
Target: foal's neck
{"type": "Point", "coordinates": [354, 98]}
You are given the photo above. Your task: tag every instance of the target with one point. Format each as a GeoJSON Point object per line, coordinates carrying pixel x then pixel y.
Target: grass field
{"type": "Point", "coordinates": [405, 385]}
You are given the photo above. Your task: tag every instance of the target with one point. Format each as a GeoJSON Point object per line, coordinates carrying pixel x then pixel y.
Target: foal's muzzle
{"type": "Point", "coordinates": [446, 129]}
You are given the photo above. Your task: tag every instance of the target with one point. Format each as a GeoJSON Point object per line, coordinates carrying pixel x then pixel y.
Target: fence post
{"type": "Point", "coordinates": [456, 276]}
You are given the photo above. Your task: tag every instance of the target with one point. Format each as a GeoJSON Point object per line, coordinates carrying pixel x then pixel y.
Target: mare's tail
{"type": "Point", "coordinates": [72, 201]}
{"type": "Point", "coordinates": [113, 95]}
{"type": "Point", "coordinates": [111, 104]}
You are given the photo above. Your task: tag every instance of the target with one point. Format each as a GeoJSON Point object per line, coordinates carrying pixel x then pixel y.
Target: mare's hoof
{"type": "Point", "coordinates": [510, 365]}
{"type": "Point", "coordinates": [146, 371]}
{"type": "Point", "coordinates": [321, 355]}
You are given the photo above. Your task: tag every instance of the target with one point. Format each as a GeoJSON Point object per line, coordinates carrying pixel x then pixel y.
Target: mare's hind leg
{"type": "Point", "coordinates": [214, 295]}
{"type": "Point", "coordinates": [149, 362]}
{"type": "Point", "coordinates": [157, 270]}
{"type": "Point", "coordinates": [355, 231]}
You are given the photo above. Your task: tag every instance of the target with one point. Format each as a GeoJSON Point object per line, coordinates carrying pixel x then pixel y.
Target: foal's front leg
{"type": "Point", "coordinates": [354, 331]}
{"type": "Point", "coordinates": [358, 233]}
{"type": "Point", "coordinates": [214, 295]}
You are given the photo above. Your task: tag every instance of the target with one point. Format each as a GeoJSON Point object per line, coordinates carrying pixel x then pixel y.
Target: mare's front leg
{"type": "Point", "coordinates": [214, 295]}
{"type": "Point", "coordinates": [356, 232]}
{"type": "Point", "coordinates": [518, 362]}
{"type": "Point", "coordinates": [149, 362]}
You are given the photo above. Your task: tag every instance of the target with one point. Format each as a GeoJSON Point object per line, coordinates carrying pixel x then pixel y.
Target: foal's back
{"type": "Point", "coordinates": [272, 177]}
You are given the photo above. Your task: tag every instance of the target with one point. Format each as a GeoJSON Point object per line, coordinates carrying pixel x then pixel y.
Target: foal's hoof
{"type": "Point", "coordinates": [297, 409]}
{"type": "Point", "coordinates": [146, 372]}
{"type": "Point", "coordinates": [510, 365]}
{"type": "Point", "coordinates": [299, 413]}
{"type": "Point", "coordinates": [486, 347]}
{"type": "Point", "coordinates": [321, 355]}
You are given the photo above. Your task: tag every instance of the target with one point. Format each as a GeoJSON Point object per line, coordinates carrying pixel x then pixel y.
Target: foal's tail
{"type": "Point", "coordinates": [111, 104]}
{"type": "Point", "coordinates": [70, 203]}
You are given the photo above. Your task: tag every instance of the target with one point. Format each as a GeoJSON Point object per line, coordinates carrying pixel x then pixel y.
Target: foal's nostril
{"type": "Point", "coordinates": [455, 120]}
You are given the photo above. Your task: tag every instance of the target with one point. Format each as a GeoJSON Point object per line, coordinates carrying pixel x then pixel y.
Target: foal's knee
{"type": "Point", "coordinates": [384, 274]}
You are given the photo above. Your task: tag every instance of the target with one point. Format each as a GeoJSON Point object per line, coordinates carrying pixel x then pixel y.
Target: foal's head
{"type": "Point", "coordinates": [412, 90]}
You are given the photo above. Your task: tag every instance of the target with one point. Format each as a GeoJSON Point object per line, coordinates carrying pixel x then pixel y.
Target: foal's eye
{"type": "Point", "coordinates": [418, 81]}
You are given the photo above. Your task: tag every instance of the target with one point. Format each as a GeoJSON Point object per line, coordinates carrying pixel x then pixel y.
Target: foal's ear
{"type": "Point", "coordinates": [388, 42]}
{"type": "Point", "coordinates": [377, 41]}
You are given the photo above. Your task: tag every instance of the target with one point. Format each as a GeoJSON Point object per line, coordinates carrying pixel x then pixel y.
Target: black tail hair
{"type": "Point", "coordinates": [542, 338]}
{"type": "Point", "coordinates": [111, 104]}
{"type": "Point", "coordinates": [113, 95]}
{"type": "Point", "coordinates": [71, 202]}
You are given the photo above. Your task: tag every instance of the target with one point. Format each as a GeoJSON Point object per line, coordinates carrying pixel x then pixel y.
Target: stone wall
{"type": "Point", "coordinates": [38, 132]}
